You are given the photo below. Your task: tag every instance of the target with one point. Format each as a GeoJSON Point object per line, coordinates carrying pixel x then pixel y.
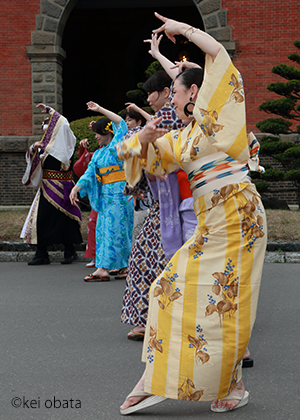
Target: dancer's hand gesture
{"type": "Point", "coordinates": [92, 106]}
{"type": "Point", "coordinates": [151, 132]}
{"type": "Point", "coordinates": [154, 45]}
{"type": "Point", "coordinates": [170, 27]}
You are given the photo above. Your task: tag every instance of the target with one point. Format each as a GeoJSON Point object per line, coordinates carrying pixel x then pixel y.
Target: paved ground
{"type": "Point", "coordinates": [62, 338]}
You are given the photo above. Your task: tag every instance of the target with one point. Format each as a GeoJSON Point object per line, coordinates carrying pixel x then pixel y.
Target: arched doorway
{"type": "Point", "coordinates": [61, 25]}
{"type": "Point", "coordinates": [107, 57]}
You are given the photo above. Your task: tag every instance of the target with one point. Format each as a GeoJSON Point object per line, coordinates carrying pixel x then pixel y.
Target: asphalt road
{"type": "Point", "coordinates": [65, 355]}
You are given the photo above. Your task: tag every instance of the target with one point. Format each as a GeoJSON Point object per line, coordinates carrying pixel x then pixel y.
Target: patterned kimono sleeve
{"type": "Point", "coordinates": [160, 158]}
{"type": "Point", "coordinates": [220, 107]}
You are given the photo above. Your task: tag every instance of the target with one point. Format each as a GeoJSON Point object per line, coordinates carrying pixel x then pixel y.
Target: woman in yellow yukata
{"type": "Point", "coordinates": [203, 305]}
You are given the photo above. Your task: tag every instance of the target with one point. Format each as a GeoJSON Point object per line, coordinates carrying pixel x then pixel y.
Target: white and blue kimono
{"type": "Point", "coordinates": [115, 212]}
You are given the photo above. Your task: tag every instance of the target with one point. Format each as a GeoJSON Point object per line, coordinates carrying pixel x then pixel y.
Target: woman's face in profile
{"type": "Point", "coordinates": [103, 139]}
{"type": "Point", "coordinates": [181, 97]}
{"type": "Point", "coordinates": [157, 99]}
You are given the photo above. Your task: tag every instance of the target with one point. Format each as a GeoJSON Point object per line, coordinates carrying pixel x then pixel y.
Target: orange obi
{"type": "Point", "coordinates": [60, 176]}
{"type": "Point", "coordinates": [184, 185]}
{"type": "Point", "coordinates": [111, 174]}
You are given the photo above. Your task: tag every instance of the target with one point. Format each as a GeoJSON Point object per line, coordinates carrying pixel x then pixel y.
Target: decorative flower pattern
{"type": "Point", "coordinates": [252, 226]}
{"type": "Point", "coordinates": [199, 342]}
{"type": "Point", "coordinates": [187, 391]}
{"type": "Point", "coordinates": [226, 290]}
{"type": "Point", "coordinates": [166, 294]}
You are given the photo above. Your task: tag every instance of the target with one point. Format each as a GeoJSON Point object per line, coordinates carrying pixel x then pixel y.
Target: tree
{"type": "Point", "coordinates": [285, 155]}
{"type": "Point", "coordinates": [139, 96]}
{"type": "Point", "coordinates": [288, 106]}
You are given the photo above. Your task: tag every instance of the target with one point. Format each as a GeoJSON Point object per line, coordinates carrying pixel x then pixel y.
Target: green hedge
{"type": "Point", "coordinates": [82, 131]}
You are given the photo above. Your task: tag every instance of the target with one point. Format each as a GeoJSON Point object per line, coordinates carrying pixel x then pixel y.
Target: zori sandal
{"type": "Point", "coordinates": [93, 278]}
{"type": "Point", "coordinates": [148, 401]}
{"type": "Point", "coordinates": [243, 400]}
{"type": "Point", "coordinates": [135, 336]}
{"type": "Point", "coordinates": [118, 272]}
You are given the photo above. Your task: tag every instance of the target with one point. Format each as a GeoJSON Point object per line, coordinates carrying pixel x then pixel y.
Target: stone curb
{"type": "Point", "coordinates": [19, 246]}
{"type": "Point", "coordinates": [57, 256]}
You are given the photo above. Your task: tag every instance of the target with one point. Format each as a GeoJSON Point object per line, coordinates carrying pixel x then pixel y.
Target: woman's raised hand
{"type": "Point", "coordinates": [92, 106]}
{"type": "Point", "coordinates": [185, 65]}
{"type": "Point", "coordinates": [131, 105]}
{"type": "Point", "coordinates": [151, 132]}
{"type": "Point", "coordinates": [170, 27]}
{"type": "Point", "coordinates": [154, 45]}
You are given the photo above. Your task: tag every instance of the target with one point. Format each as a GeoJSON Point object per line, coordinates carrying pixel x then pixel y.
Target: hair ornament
{"type": "Point", "coordinates": [109, 127]}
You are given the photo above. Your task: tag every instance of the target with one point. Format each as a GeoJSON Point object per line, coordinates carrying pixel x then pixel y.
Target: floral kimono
{"type": "Point", "coordinates": [203, 306]}
{"type": "Point", "coordinates": [104, 182]}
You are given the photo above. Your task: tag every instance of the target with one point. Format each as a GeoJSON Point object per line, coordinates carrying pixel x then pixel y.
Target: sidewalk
{"type": "Point", "coordinates": [62, 339]}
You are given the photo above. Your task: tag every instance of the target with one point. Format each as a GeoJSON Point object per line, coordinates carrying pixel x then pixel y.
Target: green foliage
{"type": "Point", "coordinates": [287, 106]}
{"type": "Point", "coordinates": [274, 126]}
{"type": "Point", "coordinates": [153, 68]}
{"type": "Point", "coordinates": [293, 175]}
{"type": "Point", "coordinates": [137, 96]}
{"type": "Point", "coordinates": [261, 186]}
{"type": "Point", "coordinates": [288, 89]}
{"type": "Point", "coordinates": [82, 131]}
{"type": "Point", "coordinates": [297, 44]}
{"type": "Point", "coordinates": [289, 158]}
{"type": "Point", "coordinates": [294, 57]}
{"type": "Point", "coordinates": [282, 106]}
{"type": "Point", "coordinates": [287, 72]}
{"type": "Point", "coordinates": [273, 174]}
{"type": "Point", "coordinates": [270, 147]}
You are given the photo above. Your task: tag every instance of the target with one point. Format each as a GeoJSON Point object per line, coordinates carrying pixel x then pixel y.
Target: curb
{"type": "Point", "coordinates": [57, 256]}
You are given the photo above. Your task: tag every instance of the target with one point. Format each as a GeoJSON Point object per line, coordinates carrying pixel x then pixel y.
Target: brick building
{"type": "Point", "coordinates": [65, 52]}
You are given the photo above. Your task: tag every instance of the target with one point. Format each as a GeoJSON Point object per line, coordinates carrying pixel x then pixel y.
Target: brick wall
{"type": "Point", "coordinates": [12, 191]}
{"type": "Point", "coordinates": [16, 23]}
{"type": "Point", "coordinates": [264, 32]}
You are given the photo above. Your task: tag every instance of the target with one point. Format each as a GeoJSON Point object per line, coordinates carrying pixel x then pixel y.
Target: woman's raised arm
{"type": "Point", "coordinates": [92, 106]}
{"type": "Point", "coordinates": [203, 40]}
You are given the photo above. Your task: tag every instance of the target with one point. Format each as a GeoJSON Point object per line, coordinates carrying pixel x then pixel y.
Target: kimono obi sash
{"type": "Point", "coordinates": [214, 171]}
{"type": "Point", "coordinates": [60, 176]}
{"type": "Point", "coordinates": [111, 174]}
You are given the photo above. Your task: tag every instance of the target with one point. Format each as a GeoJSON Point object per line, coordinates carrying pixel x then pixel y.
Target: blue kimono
{"type": "Point", "coordinates": [115, 213]}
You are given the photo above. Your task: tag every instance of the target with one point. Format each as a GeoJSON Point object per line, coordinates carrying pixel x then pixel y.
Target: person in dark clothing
{"type": "Point", "coordinates": [52, 218]}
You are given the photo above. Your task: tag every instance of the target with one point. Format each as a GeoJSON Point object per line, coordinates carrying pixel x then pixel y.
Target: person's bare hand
{"type": "Point", "coordinates": [154, 45]}
{"type": "Point", "coordinates": [170, 27]}
{"type": "Point", "coordinates": [162, 177]}
{"type": "Point", "coordinates": [185, 65]}
{"type": "Point", "coordinates": [151, 132]}
{"type": "Point", "coordinates": [91, 124]}
{"type": "Point", "coordinates": [135, 196]}
{"type": "Point", "coordinates": [38, 145]}
{"type": "Point", "coordinates": [73, 196]}
{"type": "Point", "coordinates": [131, 105]}
{"type": "Point", "coordinates": [84, 143]}
{"type": "Point", "coordinates": [92, 106]}
{"type": "Point", "coordinates": [45, 107]}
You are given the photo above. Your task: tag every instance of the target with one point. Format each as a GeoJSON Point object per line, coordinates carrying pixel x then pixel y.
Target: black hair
{"type": "Point", "coordinates": [191, 76]}
{"type": "Point", "coordinates": [100, 125]}
{"type": "Point", "coordinates": [131, 113]}
{"type": "Point", "coordinates": [157, 82]}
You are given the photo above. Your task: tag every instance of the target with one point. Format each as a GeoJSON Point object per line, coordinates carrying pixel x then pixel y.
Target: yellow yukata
{"type": "Point", "coordinates": [203, 306]}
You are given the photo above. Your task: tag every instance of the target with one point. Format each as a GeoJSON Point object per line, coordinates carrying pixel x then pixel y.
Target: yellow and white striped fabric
{"type": "Point", "coordinates": [203, 306]}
